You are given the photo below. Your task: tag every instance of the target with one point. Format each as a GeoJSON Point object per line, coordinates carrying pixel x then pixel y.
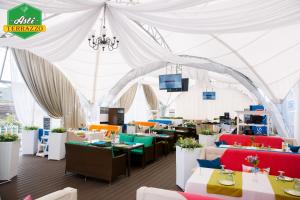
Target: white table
{"type": "Point", "coordinates": [90, 136]}
{"type": "Point", "coordinates": [255, 187]}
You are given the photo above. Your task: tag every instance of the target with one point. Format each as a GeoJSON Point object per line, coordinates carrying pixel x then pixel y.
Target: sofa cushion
{"type": "Point", "coordinates": [246, 140]}
{"type": "Point", "coordinates": [218, 143]}
{"type": "Point", "coordinates": [277, 161]}
{"type": "Point", "coordinates": [125, 138]}
{"type": "Point", "coordinates": [294, 149]}
{"type": "Point", "coordinates": [101, 144]}
{"type": "Point", "coordinates": [215, 164]}
{"type": "Point", "coordinates": [79, 143]}
{"type": "Point", "coordinates": [28, 197]}
{"type": "Point", "coordinates": [137, 151]}
{"type": "Point", "coordinates": [146, 140]}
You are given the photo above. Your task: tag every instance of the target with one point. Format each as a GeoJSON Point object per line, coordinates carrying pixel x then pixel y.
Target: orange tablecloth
{"type": "Point", "coordinates": [107, 127]}
{"type": "Point", "coordinates": [150, 124]}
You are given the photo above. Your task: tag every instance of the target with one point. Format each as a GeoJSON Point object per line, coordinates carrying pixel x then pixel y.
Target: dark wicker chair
{"type": "Point", "coordinates": [97, 162]}
{"type": "Point", "coordinates": [144, 155]}
{"type": "Point", "coordinates": [160, 147]}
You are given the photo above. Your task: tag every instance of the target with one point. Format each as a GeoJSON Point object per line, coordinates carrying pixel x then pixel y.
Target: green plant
{"type": "Point", "coordinates": [188, 143]}
{"type": "Point", "coordinates": [171, 117]}
{"type": "Point", "coordinates": [59, 130]}
{"type": "Point", "coordinates": [9, 121]}
{"type": "Point", "coordinates": [31, 128]}
{"type": "Point", "coordinates": [189, 124]}
{"type": "Point", "coordinates": [206, 132]}
{"type": "Point", "coordinates": [8, 137]}
{"type": "Point", "coordinates": [80, 133]}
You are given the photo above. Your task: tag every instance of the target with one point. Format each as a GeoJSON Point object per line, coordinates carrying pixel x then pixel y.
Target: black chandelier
{"type": "Point", "coordinates": [103, 40]}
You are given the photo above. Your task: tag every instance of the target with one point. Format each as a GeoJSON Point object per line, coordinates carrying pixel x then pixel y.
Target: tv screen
{"type": "Point", "coordinates": [209, 95]}
{"type": "Point", "coordinates": [256, 119]}
{"type": "Point", "coordinates": [170, 81]}
{"type": "Point", "coordinates": [184, 86]}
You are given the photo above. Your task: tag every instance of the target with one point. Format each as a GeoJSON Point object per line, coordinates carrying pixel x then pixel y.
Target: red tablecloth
{"type": "Point", "coordinates": [287, 162]}
{"type": "Point", "coordinates": [189, 196]}
{"type": "Point", "coordinates": [245, 140]}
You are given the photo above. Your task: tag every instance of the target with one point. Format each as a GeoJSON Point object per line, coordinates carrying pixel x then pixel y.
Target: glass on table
{"type": "Point", "coordinates": [222, 167]}
{"type": "Point", "coordinates": [229, 177]}
{"type": "Point", "coordinates": [297, 184]}
{"type": "Point", "coordinates": [281, 174]}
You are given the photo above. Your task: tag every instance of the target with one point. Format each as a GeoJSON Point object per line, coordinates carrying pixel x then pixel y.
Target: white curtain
{"type": "Point", "coordinates": [190, 105]}
{"type": "Point", "coordinates": [139, 110]}
{"type": "Point", "coordinates": [127, 98]}
{"type": "Point", "coordinates": [50, 88]}
{"type": "Point", "coordinates": [27, 110]}
{"type": "Point", "coordinates": [150, 97]}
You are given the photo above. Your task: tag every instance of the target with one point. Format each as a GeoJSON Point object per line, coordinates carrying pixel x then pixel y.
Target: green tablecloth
{"type": "Point", "coordinates": [278, 187]}
{"type": "Point", "coordinates": [162, 129]}
{"type": "Point", "coordinates": [214, 187]}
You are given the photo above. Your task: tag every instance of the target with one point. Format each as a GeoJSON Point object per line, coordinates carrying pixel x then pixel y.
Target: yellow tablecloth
{"type": "Point", "coordinates": [278, 187]}
{"type": "Point", "coordinates": [214, 187]}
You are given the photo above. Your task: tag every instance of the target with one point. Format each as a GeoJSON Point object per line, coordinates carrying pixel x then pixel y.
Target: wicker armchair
{"type": "Point", "coordinates": [97, 162]}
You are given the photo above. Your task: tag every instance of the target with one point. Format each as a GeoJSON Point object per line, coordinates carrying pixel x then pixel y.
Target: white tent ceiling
{"type": "Point", "coordinates": [274, 54]}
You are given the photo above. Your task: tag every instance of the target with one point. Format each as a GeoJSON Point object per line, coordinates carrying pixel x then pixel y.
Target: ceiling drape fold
{"type": "Point", "coordinates": [150, 97]}
{"type": "Point", "coordinates": [127, 98]}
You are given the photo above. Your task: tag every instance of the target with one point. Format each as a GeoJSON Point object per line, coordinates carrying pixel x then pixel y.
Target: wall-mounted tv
{"type": "Point", "coordinates": [209, 95]}
{"type": "Point", "coordinates": [184, 86]}
{"type": "Point", "coordinates": [170, 81]}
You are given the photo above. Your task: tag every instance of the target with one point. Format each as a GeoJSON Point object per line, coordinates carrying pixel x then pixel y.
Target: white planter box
{"type": "Point", "coordinates": [9, 158]}
{"type": "Point", "coordinates": [56, 143]}
{"type": "Point", "coordinates": [29, 142]}
{"type": "Point", "coordinates": [207, 140]}
{"type": "Point", "coordinates": [186, 161]}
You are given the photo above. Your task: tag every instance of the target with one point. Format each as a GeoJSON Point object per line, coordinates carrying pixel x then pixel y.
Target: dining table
{"type": "Point", "coordinates": [127, 149]}
{"type": "Point", "coordinates": [254, 186]}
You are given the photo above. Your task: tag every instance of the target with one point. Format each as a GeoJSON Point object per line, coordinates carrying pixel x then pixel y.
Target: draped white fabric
{"type": "Point", "coordinates": [161, 6]}
{"type": "Point", "coordinates": [240, 16]}
{"type": "Point", "coordinates": [247, 15]}
{"type": "Point", "coordinates": [56, 6]}
{"type": "Point", "coordinates": [60, 39]}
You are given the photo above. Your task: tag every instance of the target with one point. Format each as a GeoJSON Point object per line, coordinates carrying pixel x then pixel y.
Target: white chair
{"type": "Point", "coordinates": [64, 194]}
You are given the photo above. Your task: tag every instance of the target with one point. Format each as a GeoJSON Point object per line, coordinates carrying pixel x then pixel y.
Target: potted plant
{"type": "Point", "coordinates": [188, 150]}
{"type": "Point", "coordinates": [206, 136]}
{"type": "Point", "coordinates": [29, 140]}
{"type": "Point", "coordinates": [189, 124]}
{"type": "Point", "coordinates": [9, 155]}
{"type": "Point", "coordinates": [56, 143]}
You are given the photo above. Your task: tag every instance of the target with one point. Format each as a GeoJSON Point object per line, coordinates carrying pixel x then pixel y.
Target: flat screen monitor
{"type": "Point", "coordinates": [184, 86]}
{"type": "Point", "coordinates": [170, 81]}
{"type": "Point", "coordinates": [256, 119]}
{"type": "Point", "coordinates": [209, 95]}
